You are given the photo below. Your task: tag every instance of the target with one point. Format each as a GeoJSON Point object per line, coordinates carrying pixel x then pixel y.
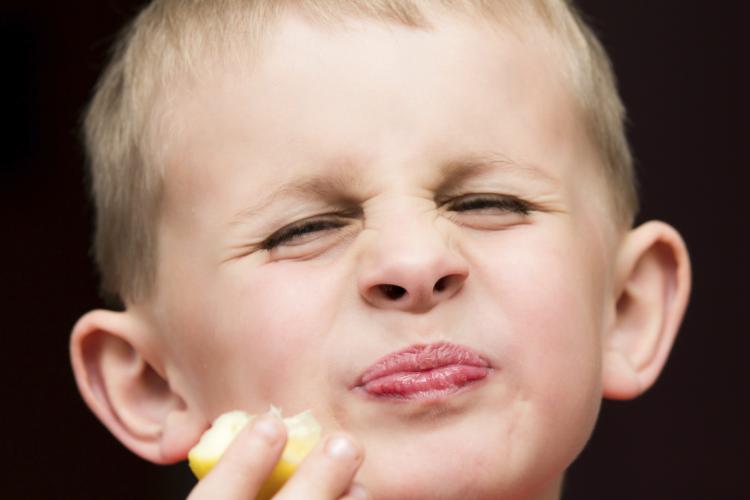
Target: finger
{"type": "Point", "coordinates": [327, 472]}
{"type": "Point", "coordinates": [246, 463]}
{"type": "Point", "coordinates": [356, 492]}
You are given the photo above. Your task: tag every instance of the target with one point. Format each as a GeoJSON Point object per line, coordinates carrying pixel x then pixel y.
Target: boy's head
{"type": "Point", "coordinates": [175, 45]}
{"type": "Point", "coordinates": [287, 192]}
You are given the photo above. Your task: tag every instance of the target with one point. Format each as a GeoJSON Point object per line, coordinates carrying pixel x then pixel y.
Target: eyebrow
{"type": "Point", "coordinates": [457, 172]}
{"type": "Point", "coordinates": [337, 188]}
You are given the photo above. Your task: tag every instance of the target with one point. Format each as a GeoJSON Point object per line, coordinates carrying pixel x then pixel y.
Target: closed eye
{"type": "Point", "coordinates": [296, 232]}
{"type": "Point", "coordinates": [302, 231]}
{"type": "Point", "coordinates": [489, 203]}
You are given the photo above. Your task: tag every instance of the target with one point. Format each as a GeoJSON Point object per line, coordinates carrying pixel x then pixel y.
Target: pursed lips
{"type": "Point", "coordinates": [423, 372]}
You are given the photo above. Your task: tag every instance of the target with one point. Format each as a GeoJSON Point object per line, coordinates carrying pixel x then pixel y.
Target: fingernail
{"type": "Point", "coordinates": [357, 491]}
{"type": "Point", "coordinates": [341, 447]}
{"type": "Point", "coordinates": [268, 428]}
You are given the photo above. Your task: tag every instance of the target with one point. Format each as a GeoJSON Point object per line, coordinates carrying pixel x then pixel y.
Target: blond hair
{"type": "Point", "coordinates": [169, 38]}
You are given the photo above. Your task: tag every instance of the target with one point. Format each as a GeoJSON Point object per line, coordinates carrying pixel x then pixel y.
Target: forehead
{"type": "Point", "coordinates": [325, 97]}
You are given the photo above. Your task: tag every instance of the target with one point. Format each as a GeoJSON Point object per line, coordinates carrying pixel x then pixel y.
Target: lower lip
{"type": "Point", "coordinates": [422, 385]}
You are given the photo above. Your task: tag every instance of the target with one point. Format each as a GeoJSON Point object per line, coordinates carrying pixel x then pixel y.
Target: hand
{"type": "Point", "coordinates": [326, 474]}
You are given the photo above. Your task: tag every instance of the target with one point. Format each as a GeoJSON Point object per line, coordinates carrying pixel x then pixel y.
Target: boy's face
{"type": "Point", "coordinates": [362, 191]}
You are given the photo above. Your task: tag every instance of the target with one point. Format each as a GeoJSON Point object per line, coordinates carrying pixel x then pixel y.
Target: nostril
{"type": "Point", "coordinates": [441, 284]}
{"type": "Point", "coordinates": [393, 292]}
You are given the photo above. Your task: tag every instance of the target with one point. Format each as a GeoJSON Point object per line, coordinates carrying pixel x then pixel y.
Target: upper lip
{"type": "Point", "coordinates": [422, 357]}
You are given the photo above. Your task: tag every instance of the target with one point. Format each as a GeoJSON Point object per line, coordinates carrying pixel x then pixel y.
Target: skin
{"type": "Point", "coordinates": [400, 129]}
{"type": "Point", "coordinates": [390, 127]}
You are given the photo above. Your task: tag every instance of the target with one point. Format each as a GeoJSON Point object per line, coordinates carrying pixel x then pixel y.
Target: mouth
{"type": "Point", "coordinates": [424, 372]}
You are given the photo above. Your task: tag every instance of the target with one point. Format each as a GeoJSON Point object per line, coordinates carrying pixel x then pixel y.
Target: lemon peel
{"type": "Point", "coordinates": [303, 433]}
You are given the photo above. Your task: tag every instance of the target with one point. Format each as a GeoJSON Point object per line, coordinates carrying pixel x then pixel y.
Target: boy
{"type": "Point", "coordinates": [413, 218]}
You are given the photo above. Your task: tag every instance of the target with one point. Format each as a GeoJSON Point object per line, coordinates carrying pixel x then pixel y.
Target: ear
{"type": "Point", "coordinates": [121, 376]}
{"type": "Point", "coordinates": [652, 285]}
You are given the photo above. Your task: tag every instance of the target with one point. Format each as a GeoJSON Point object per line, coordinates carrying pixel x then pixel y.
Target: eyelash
{"type": "Point", "coordinates": [508, 203]}
{"type": "Point", "coordinates": [289, 233]}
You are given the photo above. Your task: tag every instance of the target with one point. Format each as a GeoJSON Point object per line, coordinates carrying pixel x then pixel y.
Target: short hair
{"type": "Point", "coordinates": [129, 106]}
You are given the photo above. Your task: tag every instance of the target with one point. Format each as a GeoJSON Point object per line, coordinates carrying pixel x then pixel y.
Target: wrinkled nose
{"type": "Point", "coordinates": [411, 271]}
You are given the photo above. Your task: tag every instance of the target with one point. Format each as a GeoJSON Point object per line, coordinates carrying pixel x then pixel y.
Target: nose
{"type": "Point", "coordinates": [411, 269]}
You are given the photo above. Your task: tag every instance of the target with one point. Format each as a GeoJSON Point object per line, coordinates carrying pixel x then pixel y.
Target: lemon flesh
{"type": "Point", "coordinates": [303, 433]}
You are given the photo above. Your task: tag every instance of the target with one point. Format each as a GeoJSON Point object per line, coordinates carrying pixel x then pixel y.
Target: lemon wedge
{"type": "Point", "coordinates": [303, 432]}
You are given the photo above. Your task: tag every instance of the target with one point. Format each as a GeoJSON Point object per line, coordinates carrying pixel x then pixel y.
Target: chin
{"type": "Point", "coordinates": [435, 483]}
{"type": "Point", "coordinates": [453, 464]}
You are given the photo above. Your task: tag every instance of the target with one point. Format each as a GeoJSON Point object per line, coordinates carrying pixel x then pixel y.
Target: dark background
{"type": "Point", "coordinates": [680, 65]}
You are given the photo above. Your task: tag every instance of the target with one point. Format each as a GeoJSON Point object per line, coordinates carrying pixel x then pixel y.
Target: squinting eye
{"type": "Point", "coordinates": [489, 203]}
{"type": "Point", "coordinates": [295, 232]}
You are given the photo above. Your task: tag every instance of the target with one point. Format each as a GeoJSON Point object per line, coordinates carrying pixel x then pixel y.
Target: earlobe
{"type": "Point", "coordinates": [119, 375]}
{"type": "Point", "coordinates": [651, 294]}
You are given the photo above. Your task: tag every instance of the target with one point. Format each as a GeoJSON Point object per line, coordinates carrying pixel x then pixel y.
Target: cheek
{"type": "Point", "coordinates": [555, 311]}
{"type": "Point", "coordinates": [549, 293]}
{"type": "Point", "coordinates": [255, 334]}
